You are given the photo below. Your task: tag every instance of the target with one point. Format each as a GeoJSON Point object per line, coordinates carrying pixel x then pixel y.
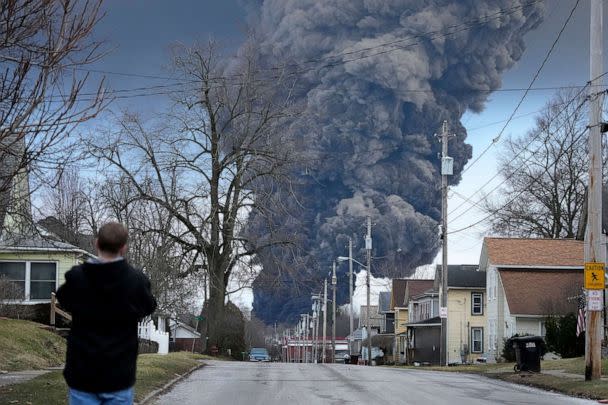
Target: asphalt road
{"type": "Point", "coordinates": [308, 384]}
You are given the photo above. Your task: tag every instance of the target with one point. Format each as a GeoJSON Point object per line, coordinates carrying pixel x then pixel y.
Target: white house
{"type": "Point", "coordinates": [528, 280]}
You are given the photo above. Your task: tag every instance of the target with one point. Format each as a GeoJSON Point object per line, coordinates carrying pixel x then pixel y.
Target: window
{"type": "Point", "coordinates": [477, 303]}
{"type": "Point", "coordinates": [32, 280]}
{"type": "Point", "coordinates": [477, 340]}
{"type": "Point", "coordinates": [14, 272]}
{"type": "Point", "coordinates": [43, 278]}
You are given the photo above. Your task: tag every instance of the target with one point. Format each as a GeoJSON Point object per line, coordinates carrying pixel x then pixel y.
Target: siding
{"type": "Point", "coordinates": [64, 260]}
{"type": "Point", "coordinates": [460, 322]}
{"type": "Point", "coordinates": [530, 326]}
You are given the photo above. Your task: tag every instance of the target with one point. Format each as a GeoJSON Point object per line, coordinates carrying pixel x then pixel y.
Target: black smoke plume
{"type": "Point", "coordinates": [378, 78]}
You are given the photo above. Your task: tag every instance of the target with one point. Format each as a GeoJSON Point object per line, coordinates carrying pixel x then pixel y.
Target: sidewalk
{"type": "Point", "coordinates": [15, 377]}
{"type": "Point", "coordinates": [564, 374]}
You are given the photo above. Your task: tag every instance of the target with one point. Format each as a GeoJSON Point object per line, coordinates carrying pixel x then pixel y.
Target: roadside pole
{"type": "Point", "coordinates": [324, 319]}
{"type": "Point", "coordinates": [446, 170]}
{"type": "Point", "coordinates": [350, 292]}
{"type": "Point", "coordinates": [368, 248]}
{"type": "Point", "coordinates": [594, 251]}
{"type": "Point", "coordinates": [334, 281]}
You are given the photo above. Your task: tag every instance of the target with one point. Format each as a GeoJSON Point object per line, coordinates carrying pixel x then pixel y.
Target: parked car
{"type": "Point", "coordinates": [259, 354]}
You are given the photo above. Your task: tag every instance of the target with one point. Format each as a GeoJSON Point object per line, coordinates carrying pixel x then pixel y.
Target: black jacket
{"type": "Point", "coordinates": [106, 301]}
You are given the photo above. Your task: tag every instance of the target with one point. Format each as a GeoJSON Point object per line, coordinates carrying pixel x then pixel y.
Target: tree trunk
{"type": "Point", "coordinates": [214, 311]}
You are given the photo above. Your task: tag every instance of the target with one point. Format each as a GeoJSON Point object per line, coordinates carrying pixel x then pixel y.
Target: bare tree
{"type": "Point", "coordinates": [202, 164]}
{"type": "Point", "coordinates": [545, 174]}
{"type": "Point", "coordinates": [151, 247]}
{"type": "Point", "coordinates": [44, 45]}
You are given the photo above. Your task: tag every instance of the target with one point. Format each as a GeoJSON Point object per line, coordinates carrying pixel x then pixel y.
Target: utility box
{"type": "Point", "coordinates": [447, 166]}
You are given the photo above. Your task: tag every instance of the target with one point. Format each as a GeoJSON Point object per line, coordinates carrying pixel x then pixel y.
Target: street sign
{"type": "Point", "coordinates": [443, 312]}
{"type": "Point", "coordinates": [595, 300]}
{"type": "Point", "coordinates": [594, 276]}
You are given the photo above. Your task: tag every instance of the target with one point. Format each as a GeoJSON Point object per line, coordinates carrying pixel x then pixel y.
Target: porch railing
{"type": "Point", "coordinates": [55, 310]}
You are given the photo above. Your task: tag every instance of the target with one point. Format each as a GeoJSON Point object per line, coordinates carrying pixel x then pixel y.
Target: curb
{"type": "Point", "coordinates": [169, 385]}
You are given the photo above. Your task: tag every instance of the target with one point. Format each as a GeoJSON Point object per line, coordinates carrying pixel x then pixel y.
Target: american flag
{"type": "Point", "coordinates": [580, 319]}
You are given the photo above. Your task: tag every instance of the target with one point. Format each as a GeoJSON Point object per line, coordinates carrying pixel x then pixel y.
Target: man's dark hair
{"type": "Point", "coordinates": [112, 237]}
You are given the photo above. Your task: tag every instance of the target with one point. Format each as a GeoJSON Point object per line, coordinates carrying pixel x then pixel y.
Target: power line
{"type": "Point", "coordinates": [424, 36]}
{"type": "Point", "coordinates": [394, 43]}
{"type": "Point", "coordinates": [524, 149]}
{"type": "Point", "coordinates": [521, 100]}
{"type": "Point", "coordinates": [517, 195]}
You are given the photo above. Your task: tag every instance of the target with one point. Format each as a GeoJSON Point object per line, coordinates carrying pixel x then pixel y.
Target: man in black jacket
{"type": "Point", "coordinates": [106, 297]}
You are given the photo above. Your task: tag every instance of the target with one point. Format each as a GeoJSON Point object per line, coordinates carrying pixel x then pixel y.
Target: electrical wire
{"type": "Point", "coordinates": [524, 149]}
{"type": "Point", "coordinates": [523, 97]}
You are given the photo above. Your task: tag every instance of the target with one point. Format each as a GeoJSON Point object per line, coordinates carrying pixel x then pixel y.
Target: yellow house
{"type": "Point", "coordinates": [466, 313]}
{"type": "Point", "coordinates": [33, 262]}
{"type": "Point", "coordinates": [401, 292]}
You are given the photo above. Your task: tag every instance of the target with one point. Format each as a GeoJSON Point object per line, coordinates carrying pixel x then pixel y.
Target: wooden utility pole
{"type": "Point", "coordinates": [324, 319]}
{"type": "Point", "coordinates": [350, 291]}
{"type": "Point", "coordinates": [334, 281]}
{"type": "Point", "coordinates": [368, 248]}
{"type": "Point", "coordinates": [594, 251]}
{"type": "Point", "coordinates": [446, 170]}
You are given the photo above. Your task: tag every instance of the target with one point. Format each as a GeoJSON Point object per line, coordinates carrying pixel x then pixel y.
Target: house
{"type": "Point", "coordinates": [402, 291]}
{"type": "Point", "coordinates": [375, 319]}
{"type": "Point", "coordinates": [528, 280]}
{"type": "Point", "coordinates": [424, 328]}
{"type": "Point", "coordinates": [400, 316]}
{"type": "Point", "coordinates": [466, 317]}
{"type": "Point", "coordinates": [184, 337]}
{"type": "Point", "coordinates": [33, 261]}
{"type": "Point", "coordinates": [387, 315]}
{"type": "Point", "coordinates": [466, 312]}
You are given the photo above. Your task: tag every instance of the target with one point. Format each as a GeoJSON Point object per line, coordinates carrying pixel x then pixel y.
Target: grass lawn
{"type": "Point", "coordinates": [25, 346]}
{"type": "Point", "coordinates": [585, 389]}
{"type": "Point", "coordinates": [153, 372]}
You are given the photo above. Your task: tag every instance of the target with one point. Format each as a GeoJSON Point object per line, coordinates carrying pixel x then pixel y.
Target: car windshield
{"type": "Point", "coordinates": [259, 351]}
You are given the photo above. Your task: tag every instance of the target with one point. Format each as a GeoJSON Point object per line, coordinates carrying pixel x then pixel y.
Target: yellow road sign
{"type": "Point", "coordinates": [594, 276]}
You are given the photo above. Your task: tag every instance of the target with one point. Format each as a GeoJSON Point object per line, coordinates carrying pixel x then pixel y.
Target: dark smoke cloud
{"type": "Point", "coordinates": [368, 143]}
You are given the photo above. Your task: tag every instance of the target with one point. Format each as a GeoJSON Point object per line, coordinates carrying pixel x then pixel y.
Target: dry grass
{"type": "Point", "coordinates": [25, 346]}
{"type": "Point", "coordinates": [153, 372]}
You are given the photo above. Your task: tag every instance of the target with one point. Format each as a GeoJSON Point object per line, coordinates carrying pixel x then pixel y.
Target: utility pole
{"type": "Point", "coordinates": [446, 170]}
{"type": "Point", "coordinates": [334, 281]}
{"type": "Point", "coordinates": [350, 292]}
{"type": "Point", "coordinates": [324, 319]}
{"type": "Point", "coordinates": [594, 251]}
{"type": "Point", "coordinates": [368, 248]}
{"type": "Point", "coordinates": [306, 330]}
{"type": "Point", "coordinates": [318, 310]}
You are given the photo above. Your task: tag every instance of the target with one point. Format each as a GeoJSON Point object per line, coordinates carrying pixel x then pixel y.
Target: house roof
{"type": "Point", "coordinates": [534, 252]}
{"type": "Point", "coordinates": [427, 322]}
{"type": "Point", "coordinates": [428, 293]}
{"type": "Point", "coordinates": [462, 276]}
{"type": "Point", "coordinates": [384, 302]}
{"type": "Point", "coordinates": [37, 240]}
{"type": "Point", "coordinates": [416, 287]}
{"type": "Point", "coordinates": [398, 292]}
{"type": "Point", "coordinates": [541, 292]}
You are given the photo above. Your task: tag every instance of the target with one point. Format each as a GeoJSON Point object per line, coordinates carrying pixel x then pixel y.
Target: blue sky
{"type": "Point", "coordinates": [138, 34]}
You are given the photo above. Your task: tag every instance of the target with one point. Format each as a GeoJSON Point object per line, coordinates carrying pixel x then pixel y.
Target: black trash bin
{"type": "Point", "coordinates": [528, 351]}
{"type": "Point", "coordinates": [354, 359]}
